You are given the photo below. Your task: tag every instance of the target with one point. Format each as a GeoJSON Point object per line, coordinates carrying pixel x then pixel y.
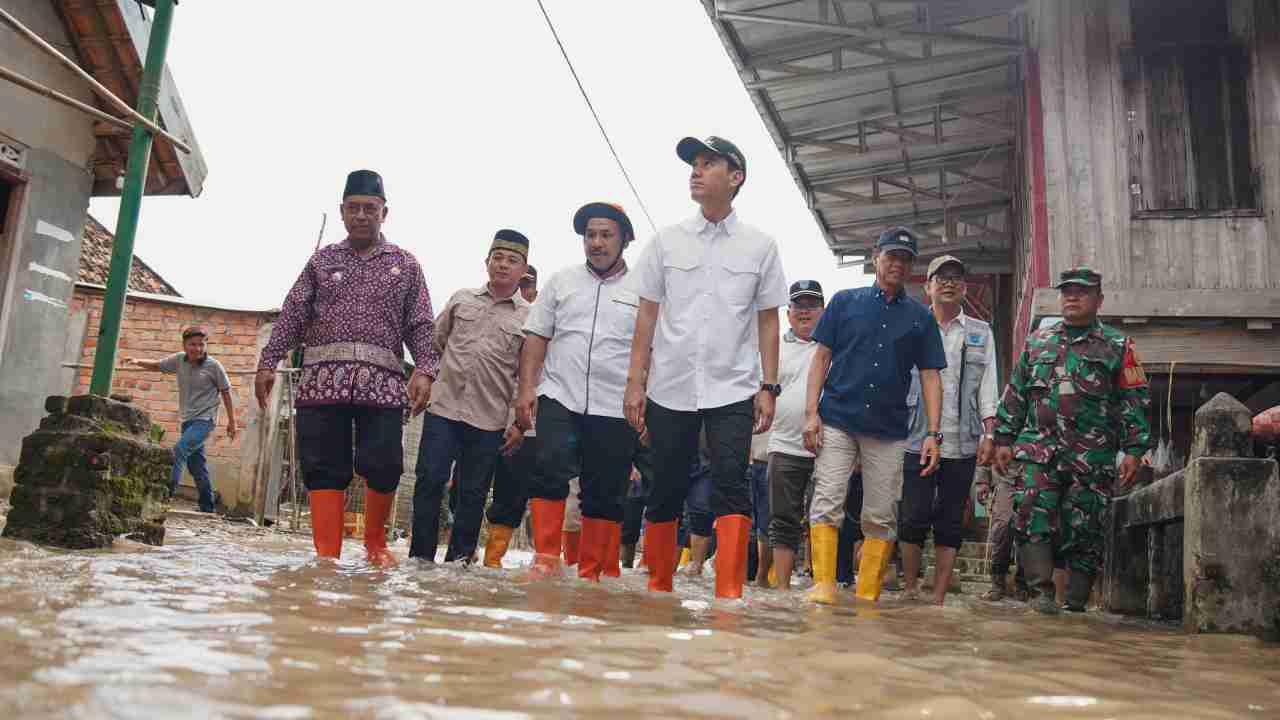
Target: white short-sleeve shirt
{"type": "Point", "coordinates": [711, 280]}
{"type": "Point", "coordinates": [794, 359]}
{"type": "Point", "coordinates": [589, 323]}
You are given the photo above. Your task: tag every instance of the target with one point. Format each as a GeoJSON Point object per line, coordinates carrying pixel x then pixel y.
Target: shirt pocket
{"type": "Point", "coordinates": [466, 324]}
{"type": "Point", "coordinates": [509, 336]}
{"type": "Point", "coordinates": [331, 279]}
{"type": "Point", "coordinates": [623, 309]}
{"type": "Point", "coordinates": [1093, 374]}
{"type": "Point", "coordinates": [738, 281]}
{"type": "Point", "coordinates": [1040, 375]}
{"type": "Point", "coordinates": [680, 275]}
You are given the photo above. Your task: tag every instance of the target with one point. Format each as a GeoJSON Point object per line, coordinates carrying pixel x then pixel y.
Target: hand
{"type": "Point", "coordinates": [419, 392]}
{"type": "Point", "coordinates": [526, 408]}
{"type": "Point", "coordinates": [1004, 456]}
{"type": "Point", "coordinates": [644, 438]}
{"type": "Point", "coordinates": [231, 430]}
{"type": "Point", "coordinates": [933, 453]}
{"type": "Point", "coordinates": [1128, 472]}
{"type": "Point", "coordinates": [984, 493]}
{"type": "Point", "coordinates": [635, 474]}
{"type": "Point", "coordinates": [131, 361]}
{"type": "Point", "coordinates": [986, 448]}
{"type": "Point", "coordinates": [813, 434]}
{"type": "Point", "coordinates": [633, 403]}
{"type": "Point", "coordinates": [512, 439]}
{"type": "Point", "coordinates": [766, 403]}
{"type": "Point", "coordinates": [262, 384]}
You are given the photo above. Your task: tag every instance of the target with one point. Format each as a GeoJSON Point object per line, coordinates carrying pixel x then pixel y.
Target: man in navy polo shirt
{"type": "Point", "coordinates": [869, 339]}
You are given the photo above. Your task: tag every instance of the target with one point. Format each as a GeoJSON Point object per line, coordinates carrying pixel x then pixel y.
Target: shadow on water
{"type": "Point", "coordinates": [237, 622]}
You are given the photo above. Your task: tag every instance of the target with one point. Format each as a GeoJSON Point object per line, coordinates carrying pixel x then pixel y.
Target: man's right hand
{"type": "Point", "coordinates": [526, 408]}
{"type": "Point", "coordinates": [1004, 456]}
{"type": "Point", "coordinates": [633, 403]}
{"type": "Point", "coordinates": [984, 493]}
{"type": "Point", "coordinates": [813, 434]}
{"type": "Point", "coordinates": [262, 384]}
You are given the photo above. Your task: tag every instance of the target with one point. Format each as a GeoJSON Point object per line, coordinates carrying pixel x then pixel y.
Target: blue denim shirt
{"type": "Point", "coordinates": [875, 341]}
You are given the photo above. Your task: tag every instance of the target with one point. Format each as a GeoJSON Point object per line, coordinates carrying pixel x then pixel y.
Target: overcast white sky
{"type": "Point", "coordinates": [471, 116]}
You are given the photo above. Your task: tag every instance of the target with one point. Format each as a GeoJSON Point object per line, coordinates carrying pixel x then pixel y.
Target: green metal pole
{"type": "Point", "coordinates": [135, 182]}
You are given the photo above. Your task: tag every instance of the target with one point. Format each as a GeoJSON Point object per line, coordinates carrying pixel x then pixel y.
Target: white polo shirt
{"type": "Point", "coordinates": [794, 359]}
{"type": "Point", "coordinates": [590, 323]}
{"type": "Point", "coordinates": [711, 279]}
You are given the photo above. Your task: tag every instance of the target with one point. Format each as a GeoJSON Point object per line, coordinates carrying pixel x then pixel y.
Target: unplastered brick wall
{"type": "Point", "coordinates": [152, 329]}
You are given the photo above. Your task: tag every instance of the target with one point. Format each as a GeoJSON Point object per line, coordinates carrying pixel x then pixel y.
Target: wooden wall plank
{"type": "Point", "coordinates": [1266, 123]}
{"type": "Point", "coordinates": [1207, 251]}
{"type": "Point", "coordinates": [1084, 121]}
{"type": "Point", "coordinates": [1057, 191]}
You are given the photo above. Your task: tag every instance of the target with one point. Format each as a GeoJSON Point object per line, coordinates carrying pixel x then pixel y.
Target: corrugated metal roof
{"type": "Point", "coordinates": [888, 113]}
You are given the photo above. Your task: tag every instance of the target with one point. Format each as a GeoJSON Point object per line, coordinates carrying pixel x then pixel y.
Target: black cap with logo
{"type": "Point", "coordinates": [811, 288]}
{"type": "Point", "coordinates": [689, 147]}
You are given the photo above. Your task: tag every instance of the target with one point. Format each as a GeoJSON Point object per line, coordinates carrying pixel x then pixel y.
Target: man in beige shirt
{"type": "Point", "coordinates": [479, 336]}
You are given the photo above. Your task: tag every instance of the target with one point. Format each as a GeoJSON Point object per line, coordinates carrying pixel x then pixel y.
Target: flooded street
{"type": "Point", "coordinates": [232, 621]}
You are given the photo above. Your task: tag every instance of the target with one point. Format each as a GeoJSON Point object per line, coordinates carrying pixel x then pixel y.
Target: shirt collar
{"type": "Point", "coordinates": [1095, 331]}
{"type": "Point", "coordinates": [516, 298]}
{"type": "Point", "coordinates": [379, 247]}
{"type": "Point", "coordinates": [902, 293]}
{"type": "Point", "coordinates": [699, 224]}
{"type": "Point", "coordinates": [958, 319]}
{"type": "Point", "coordinates": [791, 337]}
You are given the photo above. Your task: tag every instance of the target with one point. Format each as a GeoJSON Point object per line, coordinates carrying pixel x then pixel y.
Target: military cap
{"type": "Point", "coordinates": [512, 240]}
{"type": "Point", "coordinates": [688, 149]}
{"type": "Point", "coordinates": [364, 182]}
{"type": "Point", "coordinates": [806, 287]}
{"type": "Point", "coordinates": [939, 262]}
{"type": "Point", "coordinates": [898, 238]}
{"type": "Point", "coordinates": [610, 211]}
{"type": "Point", "coordinates": [1080, 275]}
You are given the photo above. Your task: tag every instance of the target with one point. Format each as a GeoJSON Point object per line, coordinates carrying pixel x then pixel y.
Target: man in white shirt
{"type": "Point", "coordinates": [790, 463]}
{"type": "Point", "coordinates": [937, 501]}
{"type": "Point", "coordinates": [573, 371]}
{"type": "Point", "coordinates": [710, 288]}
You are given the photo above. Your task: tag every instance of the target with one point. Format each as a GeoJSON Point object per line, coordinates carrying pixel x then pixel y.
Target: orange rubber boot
{"type": "Point", "coordinates": [548, 519]}
{"type": "Point", "coordinates": [660, 554]}
{"type": "Point", "coordinates": [377, 508]}
{"type": "Point", "coordinates": [732, 535]}
{"type": "Point", "coordinates": [327, 507]}
{"type": "Point", "coordinates": [612, 568]}
{"type": "Point", "coordinates": [595, 543]}
{"type": "Point", "coordinates": [572, 546]}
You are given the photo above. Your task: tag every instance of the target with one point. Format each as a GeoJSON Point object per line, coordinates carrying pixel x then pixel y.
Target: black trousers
{"type": "Point", "coordinates": [633, 504]}
{"type": "Point", "coordinates": [475, 451]}
{"type": "Point", "coordinates": [512, 476]}
{"type": "Point", "coordinates": [789, 477]}
{"type": "Point", "coordinates": [597, 449]}
{"type": "Point", "coordinates": [325, 446]}
{"type": "Point", "coordinates": [935, 501]}
{"type": "Point", "coordinates": [673, 435]}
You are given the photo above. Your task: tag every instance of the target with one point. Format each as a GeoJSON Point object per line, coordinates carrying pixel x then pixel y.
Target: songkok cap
{"type": "Point", "coordinates": [510, 240]}
{"type": "Point", "coordinates": [1081, 275]}
{"type": "Point", "coordinates": [898, 238]}
{"type": "Point", "coordinates": [807, 287]}
{"type": "Point", "coordinates": [609, 211]}
{"type": "Point", "coordinates": [938, 262]}
{"type": "Point", "coordinates": [689, 147]}
{"type": "Point", "coordinates": [194, 330]}
{"type": "Point", "coordinates": [364, 182]}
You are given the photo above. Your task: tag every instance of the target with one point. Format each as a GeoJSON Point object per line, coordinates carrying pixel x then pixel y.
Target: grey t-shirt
{"type": "Point", "coordinates": [199, 386]}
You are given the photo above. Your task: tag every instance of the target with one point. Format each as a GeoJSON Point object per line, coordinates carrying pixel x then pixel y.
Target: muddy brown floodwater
{"type": "Point", "coordinates": [228, 621]}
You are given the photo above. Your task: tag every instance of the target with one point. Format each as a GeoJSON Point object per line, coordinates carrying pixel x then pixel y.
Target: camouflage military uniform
{"type": "Point", "coordinates": [1076, 397]}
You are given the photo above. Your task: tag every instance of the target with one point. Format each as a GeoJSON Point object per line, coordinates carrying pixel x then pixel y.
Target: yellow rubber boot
{"type": "Point", "coordinates": [823, 542]}
{"type": "Point", "coordinates": [875, 558]}
{"type": "Point", "coordinates": [499, 540]}
{"type": "Point", "coordinates": [684, 557]}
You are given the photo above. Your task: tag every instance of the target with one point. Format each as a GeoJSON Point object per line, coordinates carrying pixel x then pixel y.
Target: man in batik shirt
{"type": "Point", "coordinates": [355, 306]}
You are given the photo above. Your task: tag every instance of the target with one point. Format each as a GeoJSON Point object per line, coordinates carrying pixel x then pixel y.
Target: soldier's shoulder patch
{"type": "Point", "coordinates": [1132, 375]}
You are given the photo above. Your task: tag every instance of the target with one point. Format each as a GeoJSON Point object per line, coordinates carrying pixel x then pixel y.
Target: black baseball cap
{"type": "Point", "coordinates": [898, 238]}
{"type": "Point", "coordinates": [689, 147]}
{"type": "Point", "coordinates": [194, 330]}
{"type": "Point", "coordinates": [807, 287]}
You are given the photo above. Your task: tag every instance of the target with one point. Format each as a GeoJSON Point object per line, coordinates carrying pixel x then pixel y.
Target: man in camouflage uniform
{"type": "Point", "coordinates": [1076, 396]}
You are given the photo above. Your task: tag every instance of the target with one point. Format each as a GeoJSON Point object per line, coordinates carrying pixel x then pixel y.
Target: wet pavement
{"type": "Point", "coordinates": [231, 621]}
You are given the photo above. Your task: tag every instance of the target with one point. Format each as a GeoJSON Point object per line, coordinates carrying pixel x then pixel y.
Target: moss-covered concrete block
{"type": "Point", "coordinates": [90, 472]}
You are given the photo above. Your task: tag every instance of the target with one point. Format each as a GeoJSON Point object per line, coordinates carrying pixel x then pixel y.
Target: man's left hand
{"type": "Point", "coordinates": [419, 392]}
{"type": "Point", "coordinates": [512, 439]}
{"type": "Point", "coordinates": [932, 453]}
{"type": "Point", "coordinates": [1128, 473]}
{"type": "Point", "coordinates": [765, 405]}
{"type": "Point", "coordinates": [231, 431]}
{"type": "Point", "coordinates": [986, 451]}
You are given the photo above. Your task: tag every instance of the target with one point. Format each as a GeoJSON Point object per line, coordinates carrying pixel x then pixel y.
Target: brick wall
{"type": "Point", "coordinates": [152, 329]}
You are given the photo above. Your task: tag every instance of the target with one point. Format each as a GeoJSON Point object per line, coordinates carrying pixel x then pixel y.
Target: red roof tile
{"type": "Point", "coordinates": [95, 263]}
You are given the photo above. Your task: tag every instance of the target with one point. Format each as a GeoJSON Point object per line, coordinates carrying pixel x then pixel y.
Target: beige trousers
{"type": "Point", "coordinates": [572, 510]}
{"type": "Point", "coordinates": [881, 481]}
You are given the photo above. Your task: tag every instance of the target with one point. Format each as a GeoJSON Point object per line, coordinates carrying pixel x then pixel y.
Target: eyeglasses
{"type": "Point", "coordinates": [948, 279]}
{"type": "Point", "coordinates": [370, 209]}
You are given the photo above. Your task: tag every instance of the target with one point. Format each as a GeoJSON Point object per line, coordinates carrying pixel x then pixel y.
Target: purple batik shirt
{"type": "Point", "coordinates": [356, 315]}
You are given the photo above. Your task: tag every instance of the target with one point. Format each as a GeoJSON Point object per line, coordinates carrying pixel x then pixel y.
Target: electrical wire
{"type": "Point", "coordinates": [551, 26]}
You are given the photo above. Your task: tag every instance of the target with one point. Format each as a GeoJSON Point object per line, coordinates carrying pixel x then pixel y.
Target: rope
{"type": "Point", "coordinates": [551, 26]}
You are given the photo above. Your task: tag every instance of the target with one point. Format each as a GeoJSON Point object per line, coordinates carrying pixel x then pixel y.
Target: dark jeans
{"type": "Point", "coordinates": [673, 435]}
{"type": "Point", "coordinates": [935, 501]}
{"type": "Point", "coordinates": [698, 518]}
{"type": "Point", "coordinates": [788, 476]}
{"type": "Point", "coordinates": [511, 478]}
{"type": "Point", "coordinates": [637, 495]}
{"type": "Point", "coordinates": [326, 447]}
{"type": "Point", "coordinates": [189, 451]}
{"type": "Point", "coordinates": [445, 442]}
{"type": "Point", "coordinates": [850, 530]}
{"type": "Point", "coordinates": [599, 454]}
{"type": "Point", "coordinates": [759, 478]}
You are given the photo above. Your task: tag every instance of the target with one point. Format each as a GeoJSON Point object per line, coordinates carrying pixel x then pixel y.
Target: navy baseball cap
{"type": "Point", "coordinates": [898, 238]}
{"type": "Point", "coordinates": [807, 287]}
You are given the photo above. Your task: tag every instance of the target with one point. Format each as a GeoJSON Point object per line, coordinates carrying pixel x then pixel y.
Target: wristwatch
{"type": "Point", "coordinates": [988, 436]}
{"type": "Point", "coordinates": [776, 389]}
{"type": "Point", "coordinates": [935, 435]}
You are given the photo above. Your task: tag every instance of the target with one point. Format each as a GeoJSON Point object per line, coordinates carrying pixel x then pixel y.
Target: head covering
{"type": "Point", "coordinates": [689, 147]}
{"type": "Point", "coordinates": [530, 272]}
{"type": "Point", "coordinates": [938, 262]}
{"type": "Point", "coordinates": [193, 330]}
{"type": "Point", "coordinates": [610, 211]}
{"type": "Point", "coordinates": [1080, 275]}
{"type": "Point", "coordinates": [898, 238]}
{"type": "Point", "coordinates": [511, 240]}
{"type": "Point", "coordinates": [807, 287]}
{"type": "Point", "coordinates": [364, 182]}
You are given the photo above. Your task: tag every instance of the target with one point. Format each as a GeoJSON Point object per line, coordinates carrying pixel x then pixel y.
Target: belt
{"type": "Point", "coordinates": [353, 352]}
